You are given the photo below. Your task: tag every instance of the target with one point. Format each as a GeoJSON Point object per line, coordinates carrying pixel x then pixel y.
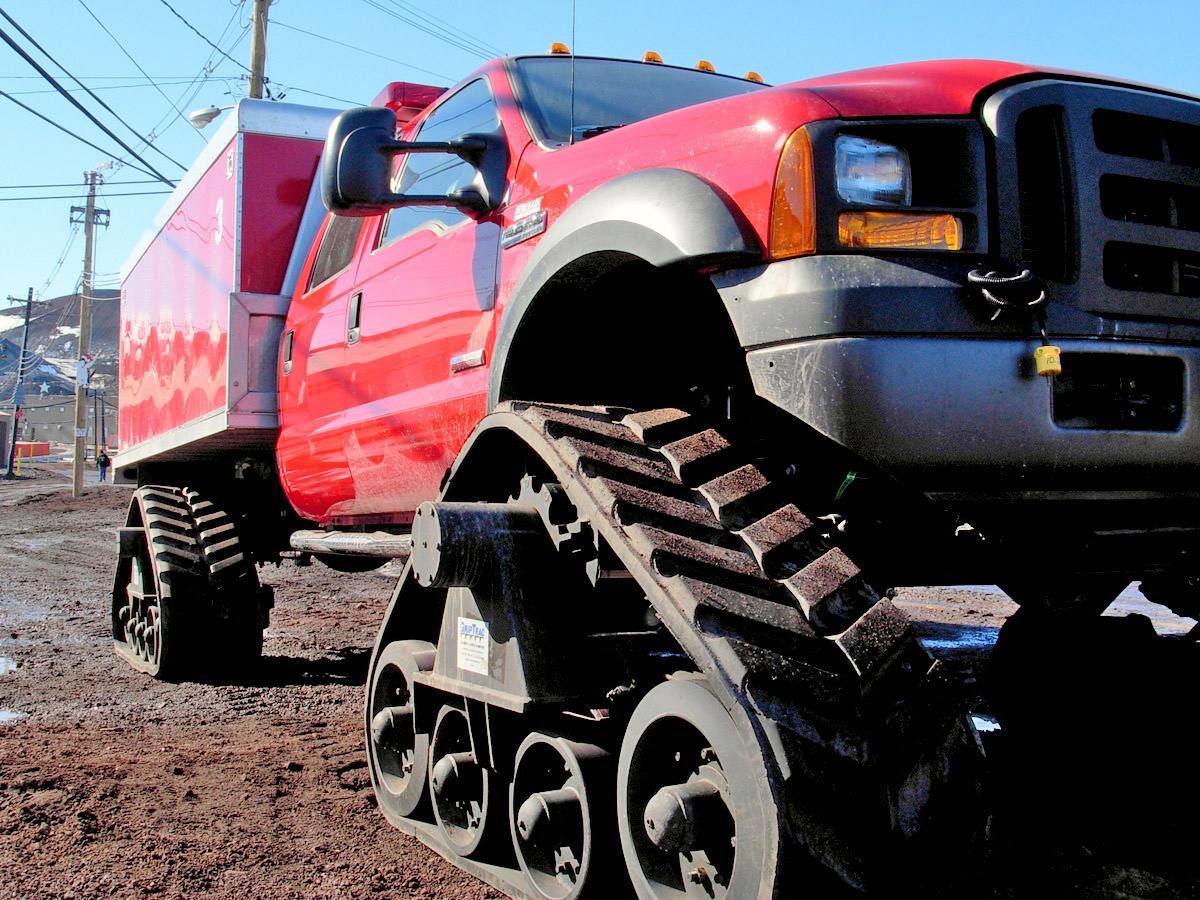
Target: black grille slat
{"type": "Point", "coordinates": [1147, 202]}
{"type": "Point", "coordinates": [1161, 270]}
{"type": "Point", "coordinates": [1045, 194]}
{"type": "Point", "coordinates": [1149, 259]}
{"type": "Point", "coordinates": [1147, 137]}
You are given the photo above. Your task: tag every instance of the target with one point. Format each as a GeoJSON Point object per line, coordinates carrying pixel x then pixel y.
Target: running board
{"type": "Point", "coordinates": [354, 543]}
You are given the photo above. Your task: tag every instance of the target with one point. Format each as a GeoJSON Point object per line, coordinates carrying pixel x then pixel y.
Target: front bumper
{"type": "Point", "coordinates": [900, 363]}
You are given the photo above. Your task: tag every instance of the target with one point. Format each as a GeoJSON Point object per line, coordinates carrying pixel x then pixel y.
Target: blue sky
{"type": "Point", "coordinates": [1153, 41]}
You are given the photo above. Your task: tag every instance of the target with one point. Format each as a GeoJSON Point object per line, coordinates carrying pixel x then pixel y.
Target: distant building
{"type": "Point", "coordinates": [53, 419]}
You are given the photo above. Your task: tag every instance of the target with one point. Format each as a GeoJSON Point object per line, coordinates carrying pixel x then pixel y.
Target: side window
{"type": "Point", "coordinates": [470, 111]}
{"type": "Point", "coordinates": [336, 250]}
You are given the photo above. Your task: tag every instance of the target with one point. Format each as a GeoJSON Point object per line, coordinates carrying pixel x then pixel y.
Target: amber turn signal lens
{"type": "Point", "coordinates": [793, 205]}
{"type": "Point", "coordinates": [899, 231]}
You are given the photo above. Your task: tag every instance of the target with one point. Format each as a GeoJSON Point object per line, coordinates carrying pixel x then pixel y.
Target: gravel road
{"type": "Point", "coordinates": [114, 785]}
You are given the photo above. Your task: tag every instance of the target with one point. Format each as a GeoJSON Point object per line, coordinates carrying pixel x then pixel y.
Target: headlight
{"type": "Point", "coordinates": [872, 172]}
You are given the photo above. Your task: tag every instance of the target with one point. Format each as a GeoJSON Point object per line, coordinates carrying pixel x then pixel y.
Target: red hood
{"type": "Point", "coordinates": [944, 87]}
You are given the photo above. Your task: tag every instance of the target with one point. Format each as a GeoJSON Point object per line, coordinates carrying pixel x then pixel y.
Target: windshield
{"type": "Point", "coordinates": [610, 93]}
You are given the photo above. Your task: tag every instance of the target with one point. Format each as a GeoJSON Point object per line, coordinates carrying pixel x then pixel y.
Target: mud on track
{"type": "Point", "coordinates": [114, 785]}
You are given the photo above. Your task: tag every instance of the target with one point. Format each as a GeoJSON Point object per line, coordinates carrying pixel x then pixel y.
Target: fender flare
{"type": "Point", "coordinates": [661, 216]}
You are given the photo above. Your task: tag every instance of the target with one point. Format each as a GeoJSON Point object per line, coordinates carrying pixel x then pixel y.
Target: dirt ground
{"type": "Point", "coordinates": [114, 785]}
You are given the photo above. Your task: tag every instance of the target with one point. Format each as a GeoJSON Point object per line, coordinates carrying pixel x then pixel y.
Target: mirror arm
{"type": "Point", "coordinates": [470, 149]}
{"type": "Point", "coordinates": [471, 200]}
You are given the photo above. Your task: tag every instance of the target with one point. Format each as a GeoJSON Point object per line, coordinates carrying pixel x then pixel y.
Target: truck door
{"type": "Point", "coordinates": [315, 385]}
{"type": "Point", "coordinates": [428, 289]}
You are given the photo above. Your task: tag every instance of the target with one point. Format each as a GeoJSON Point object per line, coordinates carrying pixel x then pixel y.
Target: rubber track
{"type": "Point", "coordinates": [175, 555]}
{"type": "Point", "coordinates": [169, 530]}
{"type": "Point", "coordinates": [739, 561]}
{"type": "Point", "coordinates": [232, 577]}
{"type": "Point", "coordinates": [189, 536]}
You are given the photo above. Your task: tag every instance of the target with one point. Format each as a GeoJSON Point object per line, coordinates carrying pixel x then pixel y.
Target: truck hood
{"type": "Point", "coordinates": [944, 87]}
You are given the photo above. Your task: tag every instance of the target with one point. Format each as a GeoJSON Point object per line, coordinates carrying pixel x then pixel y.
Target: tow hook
{"type": "Point", "coordinates": [1021, 291]}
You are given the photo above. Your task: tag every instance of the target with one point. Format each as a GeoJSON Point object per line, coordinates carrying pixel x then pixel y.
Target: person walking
{"type": "Point", "coordinates": [102, 463]}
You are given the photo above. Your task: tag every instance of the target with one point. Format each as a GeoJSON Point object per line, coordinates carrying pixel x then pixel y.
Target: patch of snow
{"type": "Point", "coordinates": [8, 323]}
{"type": "Point", "coordinates": [64, 330]}
{"type": "Point", "coordinates": [64, 367]}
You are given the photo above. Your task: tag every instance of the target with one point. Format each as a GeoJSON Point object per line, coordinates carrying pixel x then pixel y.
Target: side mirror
{"type": "Point", "coordinates": [356, 166]}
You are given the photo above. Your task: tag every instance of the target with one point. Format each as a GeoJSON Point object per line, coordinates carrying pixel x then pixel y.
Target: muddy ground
{"type": "Point", "coordinates": [114, 785]}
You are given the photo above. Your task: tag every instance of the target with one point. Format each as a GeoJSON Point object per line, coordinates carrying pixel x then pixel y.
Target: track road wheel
{"type": "Point", "coordinates": [465, 805]}
{"type": "Point", "coordinates": [692, 820]}
{"type": "Point", "coordinates": [558, 801]}
{"type": "Point", "coordinates": [399, 755]}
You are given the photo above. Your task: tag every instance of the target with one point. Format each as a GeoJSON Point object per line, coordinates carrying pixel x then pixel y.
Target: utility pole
{"type": "Point", "coordinates": [91, 218]}
{"type": "Point", "coordinates": [258, 48]}
{"type": "Point", "coordinates": [18, 391]}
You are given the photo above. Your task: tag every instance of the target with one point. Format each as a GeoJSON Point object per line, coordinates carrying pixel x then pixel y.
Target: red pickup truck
{"type": "Point", "coordinates": [660, 379]}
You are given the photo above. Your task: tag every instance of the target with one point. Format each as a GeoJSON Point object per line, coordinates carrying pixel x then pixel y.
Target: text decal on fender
{"type": "Point", "coordinates": [530, 226]}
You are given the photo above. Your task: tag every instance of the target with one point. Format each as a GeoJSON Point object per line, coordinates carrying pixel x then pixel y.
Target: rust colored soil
{"type": "Point", "coordinates": [115, 785]}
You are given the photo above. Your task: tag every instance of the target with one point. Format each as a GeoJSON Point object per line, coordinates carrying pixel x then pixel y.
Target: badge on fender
{"type": "Point", "coordinates": [523, 230]}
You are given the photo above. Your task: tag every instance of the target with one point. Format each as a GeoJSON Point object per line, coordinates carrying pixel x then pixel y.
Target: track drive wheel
{"type": "Point", "coordinates": [399, 754]}
{"type": "Point", "coordinates": [692, 819]}
{"type": "Point", "coordinates": [186, 599]}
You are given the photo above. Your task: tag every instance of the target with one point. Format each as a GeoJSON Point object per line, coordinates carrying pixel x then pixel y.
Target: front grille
{"type": "Point", "coordinates": [1106, 183]}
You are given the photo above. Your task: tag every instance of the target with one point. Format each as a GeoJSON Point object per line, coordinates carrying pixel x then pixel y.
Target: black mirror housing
{"type": "Point", "coordinates": [356, 166]}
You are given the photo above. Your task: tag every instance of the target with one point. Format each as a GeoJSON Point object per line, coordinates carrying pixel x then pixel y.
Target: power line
{"type": "Point", "coordinates": [73, 196]}
{"type": "Point", "coordinates": [90, 92]}
{"type": "Point", "coordinates": [198, 81]}
{"type": "Point", "coordinates": [23, 187]}
{"type": "Point", "coordinates": [29, 59]}
{"type": "Point", "coordinates": [62, 257]}
{"type": "Point", "coordinates": [284, 89]}
{"type": "Point", "coordinates": [65, 130]}
{"type": "Point", "coordinates": [434, 20]}
{"type": "Point", "coordinates": [136, 64]}
{"type": "Point", "coordinates": [147, 78]}
{"type": "Point", "coordinates": [202, 37]}
{"type": "Point", "coordinates": [322, 37]}
{"type": "Point", "coordinates": [109, 87]}
{"type": "Point", "coordinates": [444, 32]}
